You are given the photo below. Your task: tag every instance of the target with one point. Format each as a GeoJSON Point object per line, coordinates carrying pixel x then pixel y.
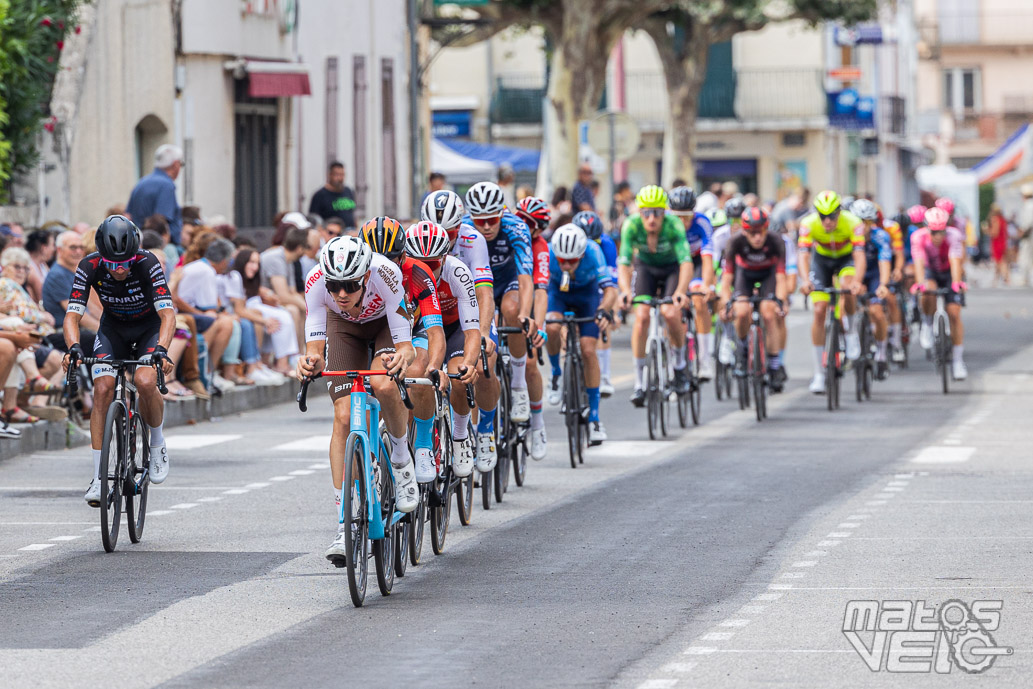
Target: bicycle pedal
{"type": "Point", "coordinates": [339, 562]}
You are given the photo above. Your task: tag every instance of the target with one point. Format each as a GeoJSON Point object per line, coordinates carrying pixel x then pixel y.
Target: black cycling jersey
{"type": "Point", "coordinates": [139, 297]}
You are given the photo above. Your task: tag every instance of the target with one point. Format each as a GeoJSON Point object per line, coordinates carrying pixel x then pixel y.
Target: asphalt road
{"type": "Point", "coordinates": [723, 556]}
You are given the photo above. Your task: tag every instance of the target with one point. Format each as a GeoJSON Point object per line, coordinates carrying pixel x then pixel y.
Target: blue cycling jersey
{"type": "Point", "coordinates": [879, 247]}
{"type": "Point", "coordinates": [699, 233]}
{"type": "Point", "coordinates": [591, 273]}
{"type": "Point", "coordinates": [609, 248]}
{"type": "Point", "coordinates": [911, 229]}
{"type": "Point", "coordinates": [510, 252]}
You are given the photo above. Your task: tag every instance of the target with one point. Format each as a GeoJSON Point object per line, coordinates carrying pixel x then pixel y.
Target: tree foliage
{"type": "Point", "coordinates": [31, 39]}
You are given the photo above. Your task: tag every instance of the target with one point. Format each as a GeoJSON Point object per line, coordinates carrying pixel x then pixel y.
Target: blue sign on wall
{"type": "Point", "coordinates": [451, 123]}
{"type": "Point", "coordinates": [850, 110]}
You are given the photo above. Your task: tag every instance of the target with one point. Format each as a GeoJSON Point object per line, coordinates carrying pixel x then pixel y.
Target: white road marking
{"type": "Point", "coordinates": [282, 478]}
{"type": "Point", "coordinates": [185, 505]}
{"type": "Point", "coordinates": [678, 668]}
{"type": "Point", "coordinates": [631, 448]}
{"type": "Point", "coordinates": [197, 440]}
{"type": "Point", "coordinates": [717, 636]}
{"type": "Point", "coordinates": [827, 544]}
{"type": "Point", "coordinates": [699, 650]}
{"type": "Point", "coordinates": [779, 587]}
{"type": "Point", "coordinates": [320, 465]}
{"type": "Point", "coordinates": [847, 525]}
{"type": "Point", "coordinates": [898, 483]}
{"type": "Point", "coordinates": [944, 455]}
{"type": "Point", "coordinates": [253, 486]}
{"type": "Point", "coordinates": [893, 489]}
{"type": "Point", "coordinates": [805, 563]}
{"type": "Point", "coordinates": [658, 684]}
{"type": "Point", "coordinates": [794, 575]}
{"type": "Point", "coordinates": [38, 546]}
{"type": "Point", "coordinates": [313, 443]}
{"type": "Point", "coordinates": [734, 623]}
{"type": "Point", "coordinates": [65, 538]}
{"type": "Point", "coordinates": [45, 524]}
{"type": "Point", "coordinates": [97, 528]}
{"type": "Point", "coordinates": [886, 496]}
{"type": "Point", "coordinates": [817, 553]}
{"type": "Point", "coordinates": [235, 491]}
{"type": "Point", "coordinates": [858, 516]}
{"type": "Point", "coordinates": [839, 534]}
{"type": "Point", "coordinates": [212, 498]}
{"type": "Point", "coordinates": [302, 472]}
{"type": "Point", "coordinates": [156, 513]}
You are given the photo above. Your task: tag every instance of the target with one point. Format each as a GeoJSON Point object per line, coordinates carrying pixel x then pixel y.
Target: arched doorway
{"type": "Point", "coordinates": [150, 133]}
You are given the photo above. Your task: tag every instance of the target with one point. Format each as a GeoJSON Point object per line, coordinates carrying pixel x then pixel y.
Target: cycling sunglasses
{"type": "Point", "coordinates": [349, 286]}
{"type": "Point", "coordinates": [116, 265]}
{"type": "Point", "coordinates": [567, 261]}
{"type": "Point", "coordinates": [487, 222]}
{"type": "Point", "coordinates": [833, 214]}
{"type": "Point", "coordinates": [653, 212]}
{"type": "Point", "coordinates": [432, 263]}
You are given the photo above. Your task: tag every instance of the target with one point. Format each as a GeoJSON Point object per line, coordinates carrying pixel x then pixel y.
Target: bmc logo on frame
{"type": "Point", "coordinates": [917, 636]}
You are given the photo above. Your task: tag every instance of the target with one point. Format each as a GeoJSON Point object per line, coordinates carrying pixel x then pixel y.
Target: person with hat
{"type": "Point", "coordinates": [156, 193]}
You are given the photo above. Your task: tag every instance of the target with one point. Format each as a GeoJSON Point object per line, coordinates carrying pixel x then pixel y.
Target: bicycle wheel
{"type": "Point", "coordinates": [653, 392]}
{"type": "Point", "coordinates": [384, 548]}
{"type": "Point", "coordinates": [682, 403]}
{"type": "Point", "coordinates": [869, 380]}
{"type": "Point", "coordinates": [719, 368]}
{"type": "Point", "coordinates": [943, 347]}
{"type": "Point", "coordinates": [520, 457]}
{"type": "Point", "coordinates": [417, 524]}
{"type": "Point", "coordinates": [355, 503]}
{"type": "Point", "coordinates": [464, 490]}
{"type": "Point", "coordinates": [112, 475]}
{"type": "Point", "coordinates": [441, 513]}
{"type": "Point", "coordinates": [139, 463]}
{"type": "Point", "coordinates": [665, 388]}
{"type": "Point", "coordinates": [571, 412]}
{"type": "Point", "coordinates": [757, 364]}
{"type": "Point", "coordinates": [503, 433]}
{"type": "Point", "coordinates": [831, 359]}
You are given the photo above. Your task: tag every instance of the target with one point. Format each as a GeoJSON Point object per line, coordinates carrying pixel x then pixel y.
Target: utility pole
{"type": "Point", "coordinates": [415, 134]}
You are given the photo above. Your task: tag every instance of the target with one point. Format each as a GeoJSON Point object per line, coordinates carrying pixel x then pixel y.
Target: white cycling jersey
{"type": "Point", "coordinates": [472, 249]}
{"type": "Point", "coordinates": [383, 294]}
{"type": "Point", "coordinates": [719, 241]}
{"type": "Point", "coordinates": [457, 295]}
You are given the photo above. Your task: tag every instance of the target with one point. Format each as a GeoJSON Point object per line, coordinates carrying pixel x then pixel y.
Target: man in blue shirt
{"type": "Point", "coordinates": [57, 287]}
{"type": "Point", "coordinates": [580, 281]}
{"type": "Point", "coordinates": [155, 194]}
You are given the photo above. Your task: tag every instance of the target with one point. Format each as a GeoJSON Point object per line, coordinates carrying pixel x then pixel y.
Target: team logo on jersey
{"type": "Point", "coordinates": [388, 277]}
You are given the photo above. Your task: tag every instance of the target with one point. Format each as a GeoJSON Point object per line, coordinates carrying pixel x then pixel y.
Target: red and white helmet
{"type": "Point", "coordinates": [427, 240]}
{"type": "Point", "coordinates": [946, 204]}
{"type": "Point", "coordinates": [936, 219]}
{"type": "Point", "coordinates": [916, 214]}
{"type": "Point", "coordinates": [535, 212]}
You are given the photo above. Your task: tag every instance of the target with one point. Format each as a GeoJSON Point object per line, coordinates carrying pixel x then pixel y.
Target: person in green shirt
{"type": "Point", "coordinates": [655, 261]}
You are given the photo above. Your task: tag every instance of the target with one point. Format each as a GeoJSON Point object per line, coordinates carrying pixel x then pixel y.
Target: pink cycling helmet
{"type": "Point", "coordinates": [936, 219]}
{"type": "Point", "coordinates": [916, 214]}
{"type": "Point", "coordinates": [946, 204]}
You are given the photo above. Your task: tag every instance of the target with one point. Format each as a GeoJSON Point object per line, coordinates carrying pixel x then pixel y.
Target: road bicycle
{"type": "Point", "coordinates": [368, 495]}
{"type": "Point", "coordinates": [864, 367]}
{"type": "Point", "coordinates": [658, 370]}
{"type": "Point", "coordinates": [834, 357]}
{"type": "Point", "coordinates": [942, 351]}
{"type": "Point", "coordinates": [125, 451]}
{"type": "Point", "coordinates": [575, 396]}
{"type": "Point", "coordinates": [691, 402]}
{"type": "Point", "coordinates": [906, 306]}
{"type": "Point", "coordinates": [756, 380]}
{"type": "Point", "coordinates": [722, 371]}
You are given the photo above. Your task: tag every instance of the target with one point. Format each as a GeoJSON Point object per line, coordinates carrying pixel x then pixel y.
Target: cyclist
{"type": "Point", "coordinates": [939, 254]}
{"type": "Point", "coordinates": [698, 230]}
{"type": "Point", "coordinates": [655, 260]}
{"type": "Point", "coordinates": [429, 243]}
{"type": "Point", "coordinates": [579, 281]}
{"type": "Point", "coordinates": [837, 239]}
{"type": "Point", "coordinates": [878, 268]}
{"type": "Point", "coordinates": [536, 215]}
{"type": "Point", "coordinates": [946, 205]}
{"type": "Point", "coordinates": [355, 300]}
{"type": "Point", "coordinates": [756, 255]}
{"type": "Point", "coordinates": [896, 313]}
{"type": "Point", "coordinates": [734, 208]}
{"type": "Point", "coordinates": [592, 224]}
{"type": "Point", "coordinates": [138, 321]}
{"type": "Point", "coordinates": [509, 253]}
{"type": "Point", "coordinates": [386, 237]}
{"type": "Point", "coordinates": [445, 208]}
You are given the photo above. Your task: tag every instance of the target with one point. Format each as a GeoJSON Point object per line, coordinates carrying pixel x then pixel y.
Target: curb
{"type": "Point", "coordinates": [59, 435]}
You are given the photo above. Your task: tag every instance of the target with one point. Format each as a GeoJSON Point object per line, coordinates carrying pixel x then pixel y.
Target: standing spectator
{"type": "Point", "coordinates": [156, 193]}
{"type": "Point", "coordinates": [435, 182]}
{"type": "Point", "coordinates": [787, 211]}
{"type": "Point", "coordinates": [620, 208]}
{"type": "Point", "coordinates": [40, 245]}
{"type": "Point", "coordinates": [278, 276]}
{"type": "Point", "coordinates": [507, 182]}
{"type": "Point", "coordinates": [998, 231]}
{"type": "Point", "coordinates": [560, 204]}
{"type": "Point", "coordinates": [334, 199]}
{"type": "Point", "coordinates": [581, 195]}
{"type": "Point", "coordinates": [523, 191]}
{"type": "Point", "coordinates": [1025, 227]}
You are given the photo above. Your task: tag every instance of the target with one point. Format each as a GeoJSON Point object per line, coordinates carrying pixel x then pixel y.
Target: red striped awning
{"type": "Point", "coordinates": [277, 84]}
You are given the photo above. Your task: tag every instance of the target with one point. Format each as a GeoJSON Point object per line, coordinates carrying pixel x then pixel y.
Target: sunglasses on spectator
{"type": "Point", "coordinates": [833, 214]}
{"type": "Point", "coordinates": [116, 265]}
{"type": "Point", "coordinates": [74, 247]}
{"type": "Point", "coordinates": [487, 222]}
{"type": "Point", "coordinates": [349, 286]}
{"type": "Point", "coordinates": [653, 212]}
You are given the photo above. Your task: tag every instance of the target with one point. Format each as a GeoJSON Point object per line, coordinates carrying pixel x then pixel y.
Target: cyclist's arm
{"type": "Point", "coordinates": [781, 291]}
{"type": "Point", "coordinates": [71, 328]}
{"type": "Point", "coordinates": [957, 269]}
{"type": "Point", "coordinates": [436, 346]}
{"type": "Point", "coordinates": [860, 262]}
{"type": "Point", "coordinates": [708, 269]}
{"type": "Point", "coordinates": [168, 326]}
{"type": "Point", "coordinates": [624, 278]}
{"type": "Point", "coordinates": [803, 263]}
{"type": "Point", "coordinates": [486, 307]}
{"type": "Point", "coordinates": [684, 277]}
{"type": "Point", "coordinates": [609, 298]}
{"type": "Point", "coordinates": [884, 272]}
{"type": "Point", "coordinates": [541, 306]}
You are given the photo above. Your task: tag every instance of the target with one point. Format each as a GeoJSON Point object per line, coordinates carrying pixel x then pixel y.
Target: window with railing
{"type": "Point", "coordinates": [518, 99]}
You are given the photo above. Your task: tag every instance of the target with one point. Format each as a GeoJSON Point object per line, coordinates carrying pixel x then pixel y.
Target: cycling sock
{"type": "Point", "coordinates": [895, 334]}
{"type": "Point", "coordinates": [399, 448]}
{"type": "Point", "coordinates": [775, 360]}
{"type": "Point", "coordinates": [593, 403]}
{"type": "Point", "coordinates": [554, 359]}
{"type": "Point", "coordinates": [604, 363]}
{"type": "Point", "coordinates": [460, 425]}
{"type": "Point", "coordinates": [819, 358]}
{"type": "Point", "coordinates": [958, 351]}
{"type": "Point", "coordinates": [640, 373]}
{"type": "Point", "coordinates": [518, 380]}
{"type": "Point", "coordinates": [96, 464]}
{"type": "Point", "coordinates": [157, 437]}
{"type": "Point", "coordinates": [679, 355]}
{"type": "Point", "coordinates": [486, 420]}
{"type": "Point", "coordinates": [704, 346]}
{"type": "Point", "coordinates": [880, 354]}
{"type": "Point", "coordinates": [927, 319]}
{"type": "Point", "coordinates": [537, 419]}
{"type": "Point", "coordinates": [424, 432]}
{"type": "Point", "coordinates": [848, 322]}
{"type": "Point", "coordinates": [337, 499]}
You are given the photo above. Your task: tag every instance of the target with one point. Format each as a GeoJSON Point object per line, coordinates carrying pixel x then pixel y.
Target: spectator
{"type": "Point", "coordinates": [788, 211]}
{"type": "Point", "coordinates": [192, 216]}
{"type": "Point", "coordinates": [310, 258]}
{"type": "Point", "coordinates": [507, 182]}
{"type": "Point", "coordinates": [708, 199]}
{"type": "Point", "coordinates": [226, 230]}
{"type": "Point", "coordinates": [728, 190]}
{"type": "Point", "coordinates": [679, 182]}
{"type": "Point", "coordinates": [14, 234]}
{"type": "Point", "coordinates": [581, 195]}
{"type": "Point", "coordinates": [332, 227]}
{"type": "Point", "coordinates": [8, 356]}
{"type": "Point", "coordinates": [155, 243]}
{"type": "Point", "coordinates": [334, 199]}
{"type": "Point", "coordinates": [158, 223]}
{"type": "Point", "coordinates": [58, 285]}
{"type": "Point", "coordinates": [997, 229]}
{"type": "Point", "coordinates": [620, 209]}
{"type": "Point", "coordinates": [40, 245]}
{"type": "Point", "coordinates": [435, 182]}
{"type": "Point", "coordinates": [560, 203]}
{"type": "Point", "coordinates": [523, 191]}
{"type": "Point", "coordinates": [287, 222]}
{"type": "Point", "coordinates": [276, 321]}
{"type": "Point", "coordinates": [244, 243]}
{"type": "Point", "coordinates": [1025, 234]}
{"type": "Point", "coordinates": [277, 276]}
{"type": "Point", "coordinates": [156, 193]}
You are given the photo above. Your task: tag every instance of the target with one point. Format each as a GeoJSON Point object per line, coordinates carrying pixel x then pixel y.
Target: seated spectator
{"type": "Point", "coordinates": [58, 285]}
{"type": "Point", "coordinates": [8, 354]}
{"type": "Point", "coordinates": [14, 344]}
{"type": "Point", "coordinates": [158, 224]}
{"type": "Point", "coordinates": [278, 276]}
{"type": "Point", "coordinates": [310, 258]}
{"type": "Point", "coordinates": [14, 233]}
{"type": "Point", "coordinates": [242, 242]}
{"type": "Point", "coordinates": [276, 321]}
{"type": "Point", "coordinates": [232, 297]}
{"type": "Point", "coordinates": [332, 227]}
{"type": "Point", "coordinates": [40, 245]}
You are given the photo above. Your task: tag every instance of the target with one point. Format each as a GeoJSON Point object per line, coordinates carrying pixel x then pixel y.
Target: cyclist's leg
{"type": "Point", "coordinates": [422, 398]}
{"type": "Point", "coordinates": [486, 389]}
{"type": "Point", "coordinates": [673, 315]}
{"type": "Point", "coordinates": [821, 278]}
{"type": "Point", "coordinates": [880, 323]}
{"type": "Point", "coordinates": [110, 345]}
{"type": "Point", "coordinates": [509, 305]}
{"type": "Point", "coordinates": [644, 284]}
{"type": "Point", "coordinates": [895, 320]}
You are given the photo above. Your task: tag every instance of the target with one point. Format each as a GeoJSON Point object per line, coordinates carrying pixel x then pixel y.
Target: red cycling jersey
{"type": "Point", "coordinates": [540, 256]}
{"type": "Point", "coordinates": [420, 293]}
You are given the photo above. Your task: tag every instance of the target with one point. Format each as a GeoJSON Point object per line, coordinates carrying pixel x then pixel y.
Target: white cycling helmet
{"type": "Point", "coordinates": [345, 258]}
{"type": "Point", "coordinates": [569, 242]}
{"type": "Point", "coordinates": [485, 200]}
{"type": "Point", "coordinates": [443, 208]}
{"type": "Point", "coordinates": [865, 209]}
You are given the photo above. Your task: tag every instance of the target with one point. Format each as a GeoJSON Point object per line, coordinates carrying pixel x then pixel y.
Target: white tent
{"type": "Point", "coordinates": [458, 168]}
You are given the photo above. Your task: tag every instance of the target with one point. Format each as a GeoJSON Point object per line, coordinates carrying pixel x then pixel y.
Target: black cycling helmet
{"type": "Point", "coordinates": [681, 199]}
{"type": "Point", "coordinates": [118, 239]}
{"type": "Point", "coordinates": [734, 207]}
{"type": "Point", "coordinates": [590, 222]}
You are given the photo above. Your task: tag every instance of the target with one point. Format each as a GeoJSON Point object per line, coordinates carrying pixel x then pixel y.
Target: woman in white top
{"type": "Point", "coordinates": [249, 302]}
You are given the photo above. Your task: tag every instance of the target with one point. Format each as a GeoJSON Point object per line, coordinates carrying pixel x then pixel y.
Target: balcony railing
{"type": "Point", "coordinates": [972, 26]}
{"type": "Point", "coordinates": [892, 112]}
{"type": "Point", "coordinates": [973, 127]}
{"type": "Point", "coordinates": [518, 99]}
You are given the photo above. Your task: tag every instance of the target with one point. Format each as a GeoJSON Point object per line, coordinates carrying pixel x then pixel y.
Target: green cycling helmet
{"type": "Point", "coordinates": [718, 218]}
{"type": "Point", "coordinates": [827, 202]}
{"type": "Point", "coordinates": [651, 196]}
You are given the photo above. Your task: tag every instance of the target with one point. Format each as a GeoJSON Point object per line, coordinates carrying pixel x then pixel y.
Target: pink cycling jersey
{"type": "Point", "coordinates": [937, 259]}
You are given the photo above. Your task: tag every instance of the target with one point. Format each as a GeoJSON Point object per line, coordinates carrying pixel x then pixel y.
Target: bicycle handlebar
{"type": "Point", "coordinates": [303, 393]}
{"type": "Point", "coordinates": [72, 382]}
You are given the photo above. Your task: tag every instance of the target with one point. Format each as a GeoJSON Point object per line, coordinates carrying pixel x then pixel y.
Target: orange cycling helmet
{"type": "Point", "coordinates": [385, 236]}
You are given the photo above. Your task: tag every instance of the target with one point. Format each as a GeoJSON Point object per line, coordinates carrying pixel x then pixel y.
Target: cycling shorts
{"type": "Point", "coordinates": [583, 303]}
{"type": "Point", "coordinates": [943, 281]}
{"type": "Point", "coordinates": [120, 340]}
{"type": "Point", "coordinates": [654, 281]}
{"type": "Point", "coordinates": [697, 271]}
{"type": "Point", "coordinates": [824, 268]}
{"type": "Point", "coordinates": [501, 288]}
{"type": "Point", "coordinates": [348, 348]}
{"type": "Point", "coordinates": [746, 279]}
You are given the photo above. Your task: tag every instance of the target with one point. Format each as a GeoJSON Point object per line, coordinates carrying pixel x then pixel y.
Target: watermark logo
{"type": "Point", "coordinates": [917, 636]}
